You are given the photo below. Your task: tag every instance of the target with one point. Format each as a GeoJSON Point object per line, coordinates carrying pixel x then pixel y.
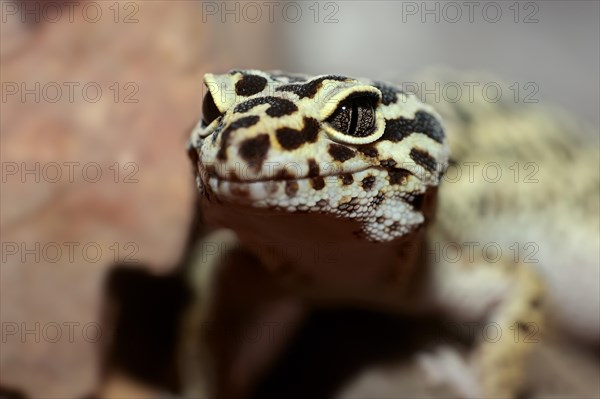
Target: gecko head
{"type": "Point", "coordinates": [352, 148]}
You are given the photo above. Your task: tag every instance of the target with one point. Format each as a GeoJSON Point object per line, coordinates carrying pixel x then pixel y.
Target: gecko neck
{"type": "Point", "coordinates": [323, 256]}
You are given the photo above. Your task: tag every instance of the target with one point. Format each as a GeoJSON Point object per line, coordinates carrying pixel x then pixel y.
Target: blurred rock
{"type": "Point", "coordinates": [96, 111]}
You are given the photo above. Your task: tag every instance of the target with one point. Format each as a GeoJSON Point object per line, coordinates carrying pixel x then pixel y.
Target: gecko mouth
{"type": "Point", "coordinates": [281, 190]}
{"type": "Point", "coordinates": [210, 172]}
{"type": "Point", "coordinates": [280, 176]}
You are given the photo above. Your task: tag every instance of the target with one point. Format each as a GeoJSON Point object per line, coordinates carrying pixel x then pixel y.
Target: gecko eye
{"type": "Point", "coordinates": [210, 112]}
{"type": "Point", "coordinates": [355, 116]}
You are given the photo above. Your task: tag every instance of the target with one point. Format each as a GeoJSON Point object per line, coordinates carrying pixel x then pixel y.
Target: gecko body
{"type": "Point", "coordinates": [336, 185]}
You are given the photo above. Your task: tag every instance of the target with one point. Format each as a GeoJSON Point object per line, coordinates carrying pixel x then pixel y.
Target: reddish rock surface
{"type": "Point", "coordinates": [130, 138]}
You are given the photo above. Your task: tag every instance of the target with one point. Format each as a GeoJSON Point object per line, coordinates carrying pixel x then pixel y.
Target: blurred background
{"type": "Point", "coordinates": [97, 198]}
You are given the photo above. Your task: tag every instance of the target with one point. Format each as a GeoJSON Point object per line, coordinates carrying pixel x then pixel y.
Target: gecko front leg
{"type": "Point", "coordinates": [519, 315]}
{"type": "Point", "coordinates": [509, 297]}
{"type": "Point", "coordinates": [238, 323]}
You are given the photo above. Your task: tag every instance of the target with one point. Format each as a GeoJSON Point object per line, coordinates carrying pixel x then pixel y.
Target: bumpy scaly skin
{"type": "Point", "coordinates": [272, 148]}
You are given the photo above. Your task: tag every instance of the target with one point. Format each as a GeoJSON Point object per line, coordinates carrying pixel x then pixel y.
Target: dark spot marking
{"type": "Point", "coordinates": [388, 163]}
{"type": "Point", "coordinates": [250, 84]}
{"type": "Point", "coordinates": [523, 326]}
{"type": "Point", "coordinates": [254, 150]}
{"type": "Point", "coordinates": [398, 176]}
{"type": "Point", "coordinates": [347, 179]}
{"type": "Point", "coordinates": [284, 174]}
{"type": "Point", "coordinates": [536, 302]}
{"type": "Point", "coordinates": [380, 219]}
{"type": "Point", "coordinates": [368, 151]}
{"type": "Point", "coordinates": [278, 106]}
{"type": "Point", "coordinates": [397, 129]}
{"type": "Point", "coordinates": [313, 168]}
{"type": "Point", "coordinates": [368, 182]}
{"type": "Point", "coordinates": [232, 175]}
{"type": "Point", "coordinates": [394, 226]}
{"type": "Point", "coordinates": [340, 153]}
{"type": "Point", "coordinates": [311, 88]}
{"type": "Point", "coordinates": [388, 93]}
{"type": "Point", "coordinates": [244, 122]}
{"type": "Point", "coordinates": [290, 139]}
{"type": "Point", "coordinates": [423, 159]}
{"type": "Point", "coordinates": [291, 188]}
{"type": "Point", "coordinates": [317, 183]}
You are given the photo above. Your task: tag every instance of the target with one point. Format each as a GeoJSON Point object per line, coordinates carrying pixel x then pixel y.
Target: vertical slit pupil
{"type": "Point", "coordinates": [354, 110]}
{"type": "Point", "coordinates": [354, 117]}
